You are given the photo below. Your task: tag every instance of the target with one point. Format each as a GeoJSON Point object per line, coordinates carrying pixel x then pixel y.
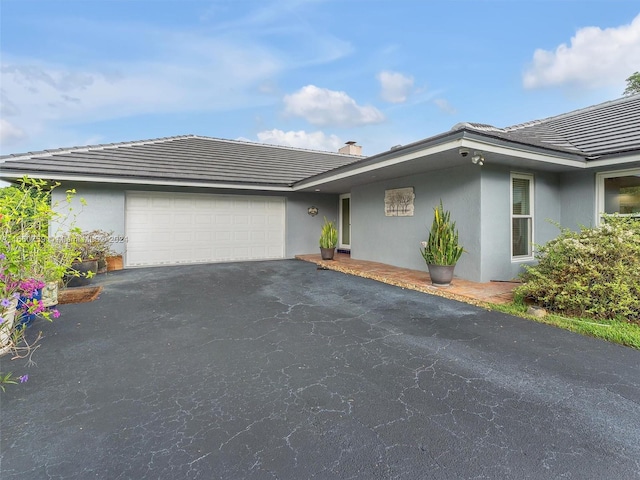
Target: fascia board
{"type": "Point", "coordinates": [521, 151]}
{"type": "Point", "coordinates": [618, 160]}
{"type": "Point", "coordinates": [461, 139]}
{"type": "Point", "coordinates": [350, 170]}
{"type": "Point", "coordinates": [132, 181]}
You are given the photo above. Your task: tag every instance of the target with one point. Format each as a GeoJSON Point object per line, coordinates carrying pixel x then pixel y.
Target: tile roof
{"type": "Point", "coordinates": [188, 158]}
{"type": "Point", "coordinates": [607, 128]}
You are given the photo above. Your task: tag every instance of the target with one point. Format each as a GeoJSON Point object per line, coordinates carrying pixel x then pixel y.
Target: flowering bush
{"type": "Point", "coordinates": [594, 272]}
{"type": "Point", "coordinates": [29, 257]}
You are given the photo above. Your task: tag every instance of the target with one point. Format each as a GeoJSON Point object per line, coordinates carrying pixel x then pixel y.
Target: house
{"type": "Point", "coordinates": [194, 199]}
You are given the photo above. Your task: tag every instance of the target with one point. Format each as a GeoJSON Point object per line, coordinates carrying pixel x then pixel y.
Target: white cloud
{"type": "Point", "coordinates": [321, 106]}
{"type": "Point", "coordinates": [41, 97]}
{"type": "Point", "coordinates": [444, 106]}
{"type": "Point", "coordinates": [226, 66]}
{"type": "Point", "coordinates": [190, 81]}
{"type": "Point", "coordinates": [301, 139]}
{"type": "Point", "coordinates": [396, 87]}
{"type": "Point", "coordinates": [595, 58]}
{"type": "Point", "coordinates": [10, 134]}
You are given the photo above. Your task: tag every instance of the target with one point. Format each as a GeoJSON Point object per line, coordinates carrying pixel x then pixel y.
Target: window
{"type": "Point", "coordinates": [619, 192]}
{"type": "Point", "coordinates": [521, 216]}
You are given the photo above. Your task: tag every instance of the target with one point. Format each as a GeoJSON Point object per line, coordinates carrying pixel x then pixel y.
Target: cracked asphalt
{"type": "Point", "coordinates": [277, 370]}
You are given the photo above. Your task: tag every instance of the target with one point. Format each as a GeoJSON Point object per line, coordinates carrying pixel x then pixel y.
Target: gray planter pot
{"type": "Point", "coordinates": [327, 253]}
{"type": "Point", "coordinates": [441, 275]}
{"type": "Point", "coordinates": [83, 268]}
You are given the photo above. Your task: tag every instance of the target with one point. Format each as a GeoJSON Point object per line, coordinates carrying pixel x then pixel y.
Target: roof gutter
{"type": "Point", "coordinates": [16, 175]}
{"type": "Point", "coordinates": [616, 159]}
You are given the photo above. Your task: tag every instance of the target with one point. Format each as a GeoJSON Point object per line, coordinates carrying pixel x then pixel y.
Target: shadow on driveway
{"type": "Point", "coordinates": [279, 370]}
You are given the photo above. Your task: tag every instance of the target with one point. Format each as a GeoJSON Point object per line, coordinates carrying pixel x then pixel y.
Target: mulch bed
{"type": "Point", "coordinates": [78, 294]}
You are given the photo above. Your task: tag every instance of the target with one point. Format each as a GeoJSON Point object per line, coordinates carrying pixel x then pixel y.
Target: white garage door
{"type": "Point", "coordinates": [171, 228]}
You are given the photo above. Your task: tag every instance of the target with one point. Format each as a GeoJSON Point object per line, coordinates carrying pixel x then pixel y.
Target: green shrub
{"type": "Point", "coordinates": [591, 273]}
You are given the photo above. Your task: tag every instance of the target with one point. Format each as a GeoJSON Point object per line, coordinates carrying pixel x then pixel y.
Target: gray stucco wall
{"type": "Point", "coordinates": [578, 199]}
{"type": "Point", "coordinates": [303, 230]}
{"type": "Point", "coordinates": [496, 225]}
{"type": "Point", "coordinates": [496, 221]}
{"type": "Point", "coordinates": [478, 199]}
{"type": "Point", "coordinates": [396, 240]}
{"type": "Point", "coordinates": [105, 210]}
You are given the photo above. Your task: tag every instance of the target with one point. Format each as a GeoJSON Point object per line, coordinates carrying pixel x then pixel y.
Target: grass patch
{"type": "Point", "coordinates": [616, 331]}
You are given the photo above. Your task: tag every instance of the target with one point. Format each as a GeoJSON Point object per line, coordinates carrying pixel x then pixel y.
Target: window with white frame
{"type": "Point", "coordinates": [521, 216]}
{"type": "Point", "coordinates": [619, 192]}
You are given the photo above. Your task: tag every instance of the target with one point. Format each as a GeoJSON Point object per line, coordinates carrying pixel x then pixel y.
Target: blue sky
{"type": "Point", "coordinates": [310, 74]}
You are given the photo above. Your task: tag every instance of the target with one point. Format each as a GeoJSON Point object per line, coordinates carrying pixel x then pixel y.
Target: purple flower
{"type": "Point", "coordinates": [5, 302]}
{"type": "Point", "coordinates": [2, 256]}
{"type": "Point", "coordinates": [55, 313]}
{"type": "Point", "coordinates": [24, 378]}
{"type": "Point", "coordinates": [1, 320]}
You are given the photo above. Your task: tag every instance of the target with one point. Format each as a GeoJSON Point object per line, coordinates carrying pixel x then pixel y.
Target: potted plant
{"type": "Point", "coordinates": [328, 240]}
{"type": "Point", "coordinates": [114, 262]}
{"type": "Point", "coordinates": [442, 251]}
{"type": "Point", "coordinates": [98, 246]}
{"type": "Point", "coordinates": [85, 265]}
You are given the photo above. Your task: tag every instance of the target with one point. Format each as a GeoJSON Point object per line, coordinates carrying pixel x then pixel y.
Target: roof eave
{"type": "Point", "coordinates": [615, 159]}
{"type": "Point", "coordinates": [17, 174]}
{"type": "Point", "coordinates": [390, 157]}
{"type": "Point", "coordinates": [464, 137]}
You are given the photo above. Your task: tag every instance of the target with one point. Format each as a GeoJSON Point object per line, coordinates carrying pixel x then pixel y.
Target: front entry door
{"type": "Point", "coordinates": [344, 240]}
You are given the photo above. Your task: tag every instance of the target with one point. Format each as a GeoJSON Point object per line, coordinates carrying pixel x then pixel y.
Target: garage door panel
{"type": "Point", "coordinates": [258, 237]}
{"type": "Point", "coordinates": [223, 236]}
{"type": "Point", "coordinates": [223, 204]}
{"type": "Point", "coordinates": [183, 237]}
{"type": "Point", "coordinates": [156, 202]}
{"type": "Point", "coordinates": [273, 237]}
{"type": "Point", "coordinates": [273, 252]}
{"type": "Point", "coordinates": [242, 252]}
{"type": "Point", "coordinates": [182, 221]}
{"type": "Point", "coordinates": [241, 237]}
{"type": "Point", "coordinates": [170, 228]}
{"type": "Point", "coordinates": [222, 254]}
{"type": "Point", "coordinates": [226, 219]}
{"type": "Point", "coordinates": [203, 236]}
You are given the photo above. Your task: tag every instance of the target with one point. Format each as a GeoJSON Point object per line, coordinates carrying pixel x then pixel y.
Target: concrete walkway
{"type": "Point", "coordinates": [463, 290]}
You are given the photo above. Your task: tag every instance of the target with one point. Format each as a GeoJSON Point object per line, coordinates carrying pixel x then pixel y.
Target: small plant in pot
{"type": "Point", "coordinates": [85, 265]}
{"type": "Point", "coordinates": [328, 240]}
{"type": "Point", "coordinates": [443, 250]}
{"type": "Point", "coordinates": [98, 246]}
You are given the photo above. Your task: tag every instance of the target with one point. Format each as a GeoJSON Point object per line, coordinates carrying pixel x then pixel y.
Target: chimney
{"type": "Point", "coordinates": [350, 148]}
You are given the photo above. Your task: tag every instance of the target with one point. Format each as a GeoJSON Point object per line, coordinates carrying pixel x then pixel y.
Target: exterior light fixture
{"type": "Point", "coordinates": [313, 211]}
{"type": "Point", "coordinates": [477, 158]}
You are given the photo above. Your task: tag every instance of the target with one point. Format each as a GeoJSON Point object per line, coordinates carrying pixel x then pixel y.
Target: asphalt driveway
{"type": "Point", "coordinates": [279, 370]}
